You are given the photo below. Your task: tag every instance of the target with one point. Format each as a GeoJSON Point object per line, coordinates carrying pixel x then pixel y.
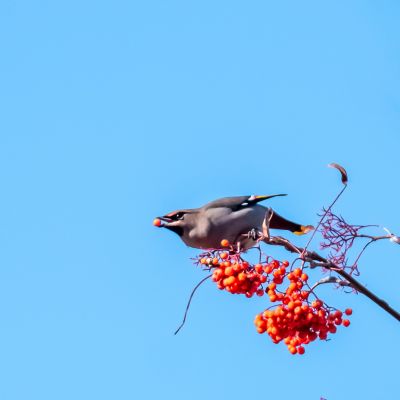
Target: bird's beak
{"type": "Point", "coordinates": [168, 223]}
{"type": "Point", "coordinates": [165, 219]}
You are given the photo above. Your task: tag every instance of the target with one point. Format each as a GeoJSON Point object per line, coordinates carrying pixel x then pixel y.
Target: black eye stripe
{"type": "Point", "coordinates": [179, 215]}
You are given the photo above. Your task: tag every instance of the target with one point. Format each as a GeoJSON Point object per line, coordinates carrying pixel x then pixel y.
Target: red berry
{"type": "Point", "coordinates": [346, 323]}
{"type": "Point", "coordinates": [348, 311]}
{"type": "Point", "coordinates": [157, 222]}
{"type": "Point", "coordinates": [300, 350]}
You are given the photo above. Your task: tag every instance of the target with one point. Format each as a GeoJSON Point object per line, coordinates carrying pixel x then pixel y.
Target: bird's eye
{"type": "Point", "coordinates": [179, 215]}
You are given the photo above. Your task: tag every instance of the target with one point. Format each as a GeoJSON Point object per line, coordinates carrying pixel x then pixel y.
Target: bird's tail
{"type": "Point", "coordinates": [278, 222]}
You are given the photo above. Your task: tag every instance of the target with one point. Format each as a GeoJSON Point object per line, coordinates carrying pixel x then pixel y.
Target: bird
{"type": "Point", "coordinates": [230, 218]}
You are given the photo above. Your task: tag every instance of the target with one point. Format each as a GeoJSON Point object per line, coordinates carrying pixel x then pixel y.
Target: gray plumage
{"type": "Point", "coordinates": [228, 218]}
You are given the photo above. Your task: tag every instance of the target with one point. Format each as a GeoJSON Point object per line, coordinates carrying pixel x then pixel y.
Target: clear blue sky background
{"type": "Point", "coordinates": [114, 112]}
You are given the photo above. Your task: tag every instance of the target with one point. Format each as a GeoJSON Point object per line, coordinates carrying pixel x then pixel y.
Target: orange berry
{"type": "Point", "coordinates": [304, 277]}
{"type": "Point", "coordinates": [157, 222]}
{"type": "Point", "coordinates": [229, 281]}
{"type": "Point", "coordinates": [299, 285]}
{"type": "Point", "coordinates": [258, 317]}
{"type": "Point", "coordinates": [225, 243]}
{"type": "Point", "coordinates": [229, 271]}
{"type": "Point", "coordinates": [258, 268]}
{"type": "Point", "coordinates": [237, 267]}
{"type": "Point", "coordinates": [297, 272]}
{"type": "Point", "coordinates": [277, 273]}
{"type": "Point", "coordinates": [317, 304]}
{"type": "Point", "coordinates": [304, 308]}
{"type": "Point", "coordinates": [298, 310]}
{"type": "Point", "coordinates": [242, 277]}
{"type": "Point", "coordinates": [292, 287]}
{"type": "Point", "coordinates": [261, 324]}
{"type": "Point", "coordinates": [223, 256]}
{"type": "Point", "coordinates": [275, 264]}
{"type": "Point", "coordinates": [217, 275]}
{"type": "Point", "coordinates": [268, 269]}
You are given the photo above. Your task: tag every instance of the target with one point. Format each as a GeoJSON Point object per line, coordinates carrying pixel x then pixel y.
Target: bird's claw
{"type": "Point", "coordinates": [253, 234]}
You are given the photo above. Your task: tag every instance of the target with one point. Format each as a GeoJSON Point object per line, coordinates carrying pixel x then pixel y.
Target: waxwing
{"type": "Point", "coordinates": [230, 218]}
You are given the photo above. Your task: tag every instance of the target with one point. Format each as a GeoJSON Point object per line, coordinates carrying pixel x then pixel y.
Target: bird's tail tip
{"type": "Point", "coordinates": [304, 229]}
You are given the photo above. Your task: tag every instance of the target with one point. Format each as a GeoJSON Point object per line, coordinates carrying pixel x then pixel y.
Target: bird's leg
{"type": "Point", "coordinates": [265, 225]}
{"type": "Point", "coordinates": [264, 236]}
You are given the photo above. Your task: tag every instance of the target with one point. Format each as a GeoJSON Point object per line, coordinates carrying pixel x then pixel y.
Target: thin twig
{"type": "Point", "coordinates": [324, 215]}
{"type": "Point", "coordinates": [363, 249]}
{"type": "Point", "coordinates": [188, 304]}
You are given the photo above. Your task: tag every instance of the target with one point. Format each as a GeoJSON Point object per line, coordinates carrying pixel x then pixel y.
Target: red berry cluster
{"type": "Point", "coordinates": [239, 278]}
{"type": "Point", "coordinates": [299, 323]}
{"type": "Point", "coordinates": [236, 276]}
{"type": "Point", "coordinates": [296, 321]}
{"type": "Point", "coordinates": [294, 318]}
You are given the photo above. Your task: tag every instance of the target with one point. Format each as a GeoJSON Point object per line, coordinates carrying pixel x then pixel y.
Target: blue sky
{"type": "Point", "coordinates": [116, 112]}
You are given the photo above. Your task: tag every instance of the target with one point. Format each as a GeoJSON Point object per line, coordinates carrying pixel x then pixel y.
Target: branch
{"type": "Point", "coordinates": [366, 292]}
{"type": "Point", "coordinates": [189, 301]}
{"type": "Point", "coordinates": [316, 260]}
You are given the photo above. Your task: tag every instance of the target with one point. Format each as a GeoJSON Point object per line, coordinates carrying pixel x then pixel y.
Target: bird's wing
{"type": "Point", "coordinates": [238, 202]}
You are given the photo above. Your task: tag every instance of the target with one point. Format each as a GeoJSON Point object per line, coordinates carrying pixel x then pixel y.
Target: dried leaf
{"type": "Point", "coordinates": [342, 172]}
